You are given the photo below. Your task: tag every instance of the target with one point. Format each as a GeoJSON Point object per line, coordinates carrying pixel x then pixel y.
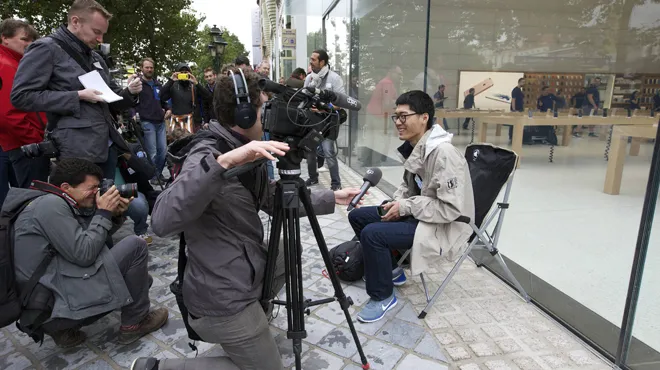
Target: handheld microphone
{"type": "Point", "coordinates": [338, 99]}
{"type": "Point", "coordinates": [371, 178]}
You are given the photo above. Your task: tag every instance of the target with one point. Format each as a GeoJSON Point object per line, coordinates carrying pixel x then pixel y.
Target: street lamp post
{"type": "Point", "coordinates": [217, 47]}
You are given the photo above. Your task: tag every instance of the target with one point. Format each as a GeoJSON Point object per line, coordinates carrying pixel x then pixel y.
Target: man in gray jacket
{"type": "Point", "coordinates": [87, 280]}
{"type": "Point", "coordinates": [219, 217]}
{"type": "Point", "coordinates": [426, 213]}
{"type": "Point", "coordinates": [47, 81]}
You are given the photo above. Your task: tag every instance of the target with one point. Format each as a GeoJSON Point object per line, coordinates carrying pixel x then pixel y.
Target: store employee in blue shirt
{"type": "Point", "coordinates": [590, 104]}
{"type": "Point", "coordinates": [546, 101]}
{"type": "Point", "coordinates": [517, 101]}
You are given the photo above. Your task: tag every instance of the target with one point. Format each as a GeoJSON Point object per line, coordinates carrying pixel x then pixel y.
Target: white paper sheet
{"type": "Point", "coordinates": [93, 80]}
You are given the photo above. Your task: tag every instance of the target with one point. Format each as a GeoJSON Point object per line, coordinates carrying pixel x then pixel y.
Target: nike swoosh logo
{"type": "Point", "coordinates": [384, 306]}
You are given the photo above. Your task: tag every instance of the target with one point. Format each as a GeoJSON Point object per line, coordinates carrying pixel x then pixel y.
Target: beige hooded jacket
{"type": "Point", "coordinates": [446, 194]}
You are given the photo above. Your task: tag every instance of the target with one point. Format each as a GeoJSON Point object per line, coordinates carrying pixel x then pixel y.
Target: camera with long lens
{"type": "Point", "coordinates": [302, 118]}
{"type": "Point", "coordinates": [46, 148]}
{"type": "Point", "coordinates": [125, 191]}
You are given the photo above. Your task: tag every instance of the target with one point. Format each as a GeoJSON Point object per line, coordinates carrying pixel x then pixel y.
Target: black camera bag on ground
{"type": "Point", "coordinates": [31, 304]}
{"type": "Point", "coordinates": [348, 261]}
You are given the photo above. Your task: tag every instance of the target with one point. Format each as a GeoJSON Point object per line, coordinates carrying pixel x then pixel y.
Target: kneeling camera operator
{"type": "Point", "coordinates": [218, 215]}
{"type": "Point", "coordinates": [62, 262]}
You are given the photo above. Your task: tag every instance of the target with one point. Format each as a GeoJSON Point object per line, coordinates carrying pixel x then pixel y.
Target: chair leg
{"type": "Point", "coordinates": [426, 290]}
{"type": "Point", "coordinates": [512, 278]}
{"type": "Point", "coordinates": [445, 282]}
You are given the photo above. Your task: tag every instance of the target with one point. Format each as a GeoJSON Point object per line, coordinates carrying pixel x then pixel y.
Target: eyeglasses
{"type": "Point", "coordinates": [402, 117]}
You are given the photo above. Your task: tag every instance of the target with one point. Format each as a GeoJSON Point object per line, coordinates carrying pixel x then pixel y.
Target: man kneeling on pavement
{"type": "Point", "coordinates": [69, 218]}
{"type": "Point", "coordinates": [436, 190]}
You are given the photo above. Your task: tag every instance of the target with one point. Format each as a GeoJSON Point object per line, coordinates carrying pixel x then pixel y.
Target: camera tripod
{"type": "Point", "coordinates": [290, 192]}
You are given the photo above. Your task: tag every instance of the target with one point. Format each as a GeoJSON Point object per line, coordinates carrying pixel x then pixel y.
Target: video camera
{"type": "Point", "coordinates": [304, 117]}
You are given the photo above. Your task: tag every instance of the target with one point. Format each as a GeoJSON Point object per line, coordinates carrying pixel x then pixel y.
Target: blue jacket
{"type": "Point", "coordinates": [150, 106]}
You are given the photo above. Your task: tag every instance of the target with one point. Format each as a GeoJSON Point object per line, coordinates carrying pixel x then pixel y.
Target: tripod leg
{"type": "Point", "coordinates": [273, 250]}
{"type": "Point", "coordinates": [345, 302]}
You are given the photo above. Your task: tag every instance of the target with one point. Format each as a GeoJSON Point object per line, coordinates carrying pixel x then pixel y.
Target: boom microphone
{"type": "Point", "coordinates": [338, 99]}
{"type": "Point", "coordinates": [371, 178]}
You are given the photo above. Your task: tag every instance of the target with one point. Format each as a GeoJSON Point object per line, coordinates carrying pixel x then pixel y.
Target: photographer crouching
{"type": "Point", "coordinates": [219, 218]}
{"type": "Point", "coordinates": [59, 239]}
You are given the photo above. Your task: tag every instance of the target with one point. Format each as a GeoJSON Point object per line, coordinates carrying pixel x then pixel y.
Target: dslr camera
{"type": "Point", "coordinates": [125, 191]}
{"type": "Point", "coordinates": [46, 148]}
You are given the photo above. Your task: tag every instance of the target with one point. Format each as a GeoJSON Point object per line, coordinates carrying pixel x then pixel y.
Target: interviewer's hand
{"type": "Point", "coordinates": [122, 206]}
{"type": "Point", "coordinates": [392, 209]}
{"type": "Point", "coordinates": [90, 95]}
{"type": "Point", "coordinates": [251, 152]}
{"type": "Point", "coordinates": [344, 196]}
{"type": "Point", "coordinates": [108, 201]}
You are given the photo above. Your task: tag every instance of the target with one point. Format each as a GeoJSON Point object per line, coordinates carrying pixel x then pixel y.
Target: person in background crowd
{"type": "Point", "coordinates": [560, 100]}
{"type": "Point", "coordinates": [656, 100]}
{"type": "Point", "coordinates": [153, 112]}
{"type": "Point", "coordinates": [186, 94]}
{"type": "Point", "coordinates": [281, 81]}
{"type": "Point", "coordinates": [322, 77]}
{"type": "Point", "coordinates": [17, 128]}
{"type": "Point", "coordinates": [243, 63]}
{"type": "Point", "coordinates": [578, 99]}
{"type": "Point", "coordinates": [439, 99]}
{"type": "Point", "coordinates": [379, 108]}
{"type": "Point", "coordinates": [264, 69]}
{"type": "Point", "coordinates": [207, 107]}
{"type": "Point", "coordinates": [468, 103]}
{"type": "Point", "coordinates": [47, 81]}
{"type": "Point", "coordinates": [297, 79]}
{"type": "Point", "coordinates": [546, 101]}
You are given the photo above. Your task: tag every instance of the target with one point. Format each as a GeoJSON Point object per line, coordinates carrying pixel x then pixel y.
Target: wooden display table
{"type": "Point", "coordinates": [566, 121]}
{"type": "Point", "coordinates": [617, 156]}
{"type": "Point", "coordinates": [476, 114]}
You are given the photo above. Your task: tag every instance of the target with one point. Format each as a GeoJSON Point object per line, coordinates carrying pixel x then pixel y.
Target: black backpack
{"type": "Point", "coordinates": [348, 261]}
{"type": "Point", "coordinates": [16, 304]}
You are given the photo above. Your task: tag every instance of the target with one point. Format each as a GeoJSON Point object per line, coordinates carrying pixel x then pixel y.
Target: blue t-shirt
{"type": "Point", "coordinates": [591, 90]}
{"type": "Point", "coordinates": [520, 99]}
{"type": "Point", "coordinates": [545, 103]}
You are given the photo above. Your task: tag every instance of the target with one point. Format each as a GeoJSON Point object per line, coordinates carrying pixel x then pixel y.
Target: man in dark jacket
{"type": "Point", "coordinates": [17, 127]}
{"type": "Point", "coordinates": [87, 279]}
{"type": "Point", "coordinates": [153, 113]}
{"type": "Point", "coordinates": [297, 79]}
{"type": "Point", "coordinates": [209, 76]}
{"type": "Point", "coordinates": [187, 96]}
{"type": "Point", "coordinates": [47, 81]}
{"type": "Point", "coordinates": [219, 218]}
{"type": "Point", "coordinates": [468, 103]}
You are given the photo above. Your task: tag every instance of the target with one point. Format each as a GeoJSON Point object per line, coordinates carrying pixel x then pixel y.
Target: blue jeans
{"type": "Point", "coordinates": [155, 141]}
{"type": "Point", "coordinates": [138, 211]}
{"type": "Point", "coordinates": [327, 148]}
{"type": "Point", "coordinates": [378, 239]}
{"type": "Point", "coordinates": [7, 176]}
{"type": "Point", "coordinates": [269, 164]}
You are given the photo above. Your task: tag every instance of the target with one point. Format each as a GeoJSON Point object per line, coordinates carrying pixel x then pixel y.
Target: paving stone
{"type": "Point", "coordinates": [323, 286]}
{"type": "Point", "coordinates": [99, 364]}
{"type": "Point", "coordinates": [480, 317]}
{"type": "Point", "coordinates": [499, 365]}
{"type": "Point", "coordinates": [6, 346]}
{"type": "Point", "coordinates": [380, 355]}
{"type": "Point", "coordinates": [508, 345]}
{"type": "Point", "coordinates": [540, 326]}
{"type": "Point", "coordinates": [435, 320]}
{"type": "Point", "coordinates": [108, 321]}
{"type": "Point", "coordinates": [458, 321]}
{"type": "Point", "coordinates": [316, 329]}
{"type": "Point", "coordinates": [285, 345]}
{"type": "Point", "coordinates": [408, 313]}
{"type": "Point", "coordinates": [41, 351]}
{"type": "Point", "coordinates": [458, 353]}
{"type": "Point", "coordinates": [172, 331]}
{"type": "Point", "coordinates": [470, 335]}
{"type": "Point", "coordinates": [582, 357]}
{"type": "Point", "coordinates": [526, 363]}
{"type": "Point", "coordinates": [494, 331]}
{"type": "Point", "coordinates": [412, 362]}
{"type": "Point", "coordinates": [446, 338]}
{"type": "Point", "coordinates": [470, 367]}
{"type": "Point", "coordinates": [340, 341]}
{"type": "Point", "coordinates": [333, 313]}
{"type": "Point", "coordinates": [320, 360]}
{"type": "Point", "coordinates": [14, 361]}
{"type": "Point", "coordinates": [401, 333]}
{"type": "Point", "coordinates": [69, 358]}
{"type": "Point", "coordinates": [430, 348]}
{"type": "Point", "coordinates": [555, 361]}
{"type": "Point", "coordinates": [485, 349]}
{"type": "Point", "coordinates": [358, 295]}
{"type": "Point", "coordinates": [160, 294]}
{"type": "Point", "coordinates": [562, 341]}
{"type": "Point", "coordinates": [125, 355]}
{"type": "Point", "coordinates": [517, 329]}
{"type": "Point", "coordinates": [535, 343]}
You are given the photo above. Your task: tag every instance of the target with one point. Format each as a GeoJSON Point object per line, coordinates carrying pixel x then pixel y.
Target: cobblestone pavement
{"type": "Point", "coordinates": [478, 323]}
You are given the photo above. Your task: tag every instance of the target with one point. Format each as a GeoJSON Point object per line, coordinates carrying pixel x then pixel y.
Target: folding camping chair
{"type": "Point", "coordinates": [491, 168]}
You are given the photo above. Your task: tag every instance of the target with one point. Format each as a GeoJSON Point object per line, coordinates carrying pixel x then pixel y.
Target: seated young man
{"type": "Point", "coordinates": [436, 190]}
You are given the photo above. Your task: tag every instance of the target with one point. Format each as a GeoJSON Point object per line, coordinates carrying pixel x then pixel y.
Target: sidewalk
{"type": "Point", "coordinates": [478, 322]}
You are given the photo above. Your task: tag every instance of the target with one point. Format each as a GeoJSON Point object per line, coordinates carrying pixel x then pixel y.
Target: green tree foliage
{"type": "Point", "coordinates": [165, 30]}
{"type": "Point", "coordinates": [203, 57]}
